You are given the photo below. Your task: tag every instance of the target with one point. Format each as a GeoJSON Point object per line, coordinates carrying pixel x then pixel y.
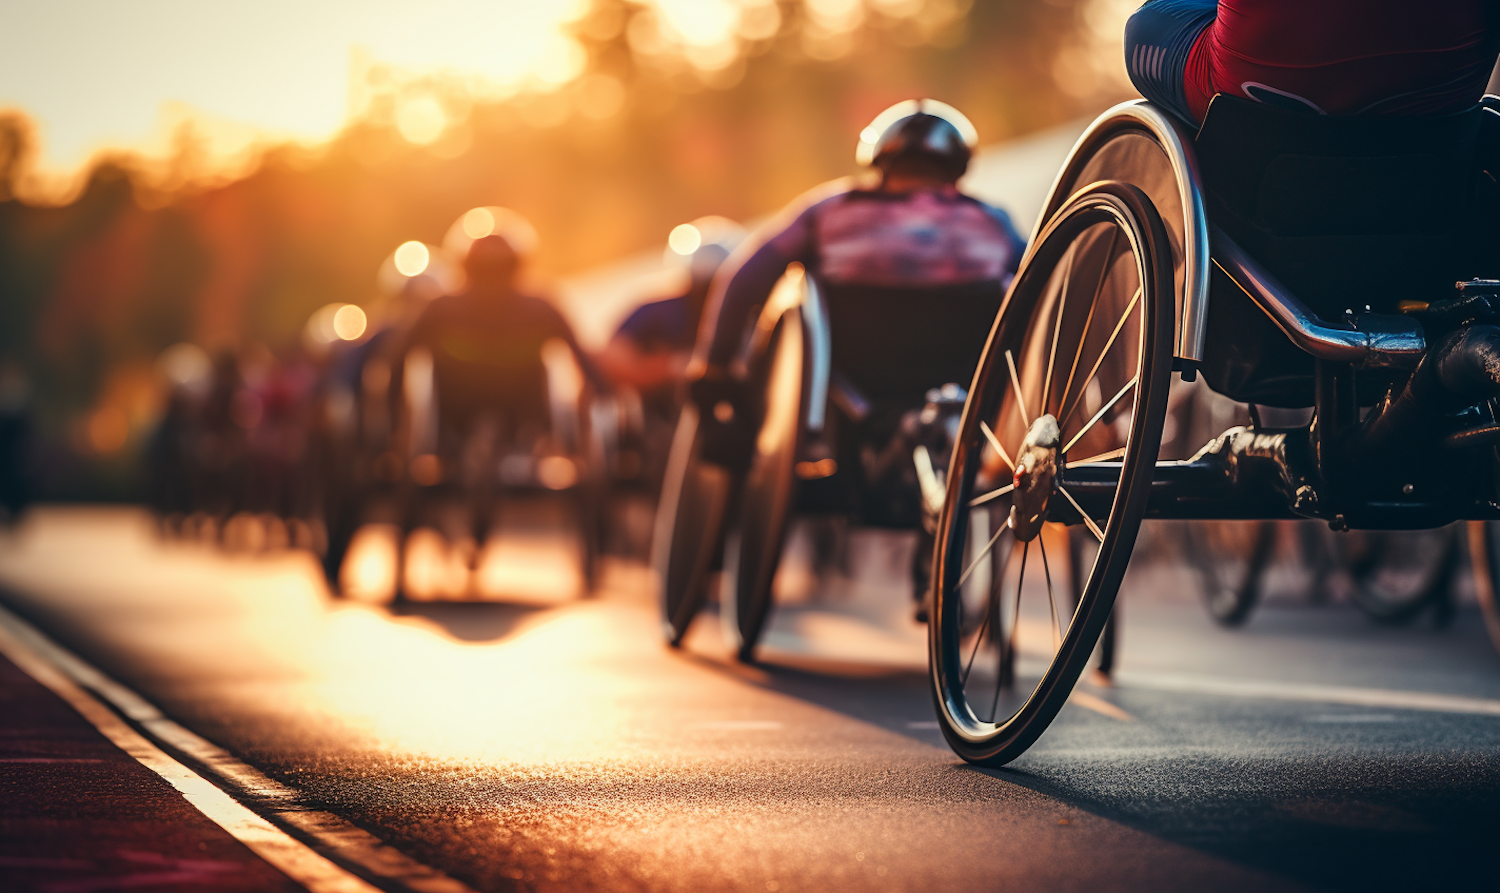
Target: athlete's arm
{"type": "Point", "coordinates": [745, 282]}
{"type": "Point", "coordinates": [1159, 38]}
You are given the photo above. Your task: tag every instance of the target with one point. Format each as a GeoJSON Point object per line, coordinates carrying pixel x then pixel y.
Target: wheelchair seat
{"type": "Point", "coordinates": [1346, 212]}
{"type": "Point", "coordinates": [893, 344]}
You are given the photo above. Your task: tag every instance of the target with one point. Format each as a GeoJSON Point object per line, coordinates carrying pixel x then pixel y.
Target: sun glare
{"type": "Point", "coordinates": [412, 258]}
{"type": "Point", "coordinates": [421, 120]}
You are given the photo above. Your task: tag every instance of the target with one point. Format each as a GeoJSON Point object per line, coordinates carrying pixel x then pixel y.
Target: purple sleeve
{"type": "Point", "coordinates": [741, 289]}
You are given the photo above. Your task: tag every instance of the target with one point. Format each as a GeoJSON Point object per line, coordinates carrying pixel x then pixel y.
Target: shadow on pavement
{"type": "Point", "coordinates": [1353, 822]}
{"type": "Point", "coordinates": [1382, 816]}
{"type": "Point", "coordinates": [471, 621]}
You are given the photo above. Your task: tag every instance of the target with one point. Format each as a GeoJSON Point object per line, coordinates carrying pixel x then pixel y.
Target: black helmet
{"type": "Point", "coordinates": [919, 128]}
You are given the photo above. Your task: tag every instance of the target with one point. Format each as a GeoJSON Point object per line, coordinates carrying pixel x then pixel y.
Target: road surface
{"type": "Point", "coordinates": [550, 742]}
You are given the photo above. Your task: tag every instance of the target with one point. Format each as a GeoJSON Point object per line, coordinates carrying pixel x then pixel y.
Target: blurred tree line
{"type": "Point", "coordinates": [147, 254]}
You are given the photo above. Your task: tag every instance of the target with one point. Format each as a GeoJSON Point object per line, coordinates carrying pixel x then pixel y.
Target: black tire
{"type": "Point", "coordinates": [758, 530]}
{"type": "Point", "coordinates": [1131, 284]}
{"type": "Point", "coordinates": [688, 531]}
{"type": "Point", "coordinates": [1396, 575]}
{"type": "Point", "coordinates": [1230, 559]}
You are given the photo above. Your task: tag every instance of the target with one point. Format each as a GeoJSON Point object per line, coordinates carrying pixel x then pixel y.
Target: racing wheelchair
{"type": "Point", "coordinates": [1290, 260]}
{"type": "Point", "coordinates": [837, 429]}
{"type": "Point", "coordinates": [534, 455]}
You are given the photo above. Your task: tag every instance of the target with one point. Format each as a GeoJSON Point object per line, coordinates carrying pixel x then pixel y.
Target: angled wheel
{"type": "Point", "coordinates": [1230, 558]}
{"type": "Point", "coordinates": [757, 534]}
{"type": "Point", "coordinates": [1396, 575]}
{"type": "Point", "coordinates": [1484, 555]}
{"type": "Point", "coordinates": [1063, 423]}
{"type": "Point", "coordinates": [695, 497]}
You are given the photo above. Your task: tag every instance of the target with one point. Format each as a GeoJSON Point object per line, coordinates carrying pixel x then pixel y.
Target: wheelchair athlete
{"type": "Point", "coordinates": [486, 346]}
{"type": "Point", "coordinates": [646, 357]}
{"type": "Point", "coordinates": [912, 270]}
{"type": "Point", "coordinates": [1335, 57]}
{"type": "Point", "coordinates": [650, 349]}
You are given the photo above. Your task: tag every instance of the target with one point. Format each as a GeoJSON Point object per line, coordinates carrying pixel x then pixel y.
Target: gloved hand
{"type": "Point", "coordinates": [726, 417]}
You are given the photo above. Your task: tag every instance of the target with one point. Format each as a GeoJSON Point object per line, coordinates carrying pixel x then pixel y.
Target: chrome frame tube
{"type": "Point", "coordinates": [1367, 340]}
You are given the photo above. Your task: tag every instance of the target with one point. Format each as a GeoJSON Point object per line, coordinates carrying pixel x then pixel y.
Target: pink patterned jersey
{"type": "Point", "coordinates": [848, 236]}
{"type": "Point", "coordinates": [924, 239]}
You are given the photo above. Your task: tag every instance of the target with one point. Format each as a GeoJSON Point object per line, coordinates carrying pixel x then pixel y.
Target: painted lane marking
{"type": "Point", "coordinates": [1352, 717]}
{"type": "Point", "coordinates": [265, 832]}
{"type": "Point", "coordinates": [924, 726]}
{"type": "Point", "coordinates": [1390, 699]}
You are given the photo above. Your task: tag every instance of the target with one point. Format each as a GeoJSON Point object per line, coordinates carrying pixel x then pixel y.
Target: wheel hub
{"type": "Point", "coordinates": [1036, 470]}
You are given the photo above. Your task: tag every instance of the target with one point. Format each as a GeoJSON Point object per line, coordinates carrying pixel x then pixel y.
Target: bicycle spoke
{"type": "Point", "coordinates": [1088, 320]}
{"type": "Point", "coordinates": [1062, 303]}
{"type": "Point", "coordinates": [1100, 414]}
{"type": "Point", "coordinates": [995, 443]}
{"type": "Point", "coordinates": [1102, 457]}
{"type": "Point", "coordinates": [1015, 381]}
{"type": "Point", "coordinates": [1051, 601]}
{"type": "Point", "coordinates": [978, 639]}
{"type": "Point", "coordinates": [993, 494]}
{"type": "Point", "coordinates": [981, 556]}
{"type": "Point", "coordinates": [1000, 675]}
{"type": "Point", "coordinates": [1088, 522]}
{"type": "Point", "coordinates": [1083, 388]}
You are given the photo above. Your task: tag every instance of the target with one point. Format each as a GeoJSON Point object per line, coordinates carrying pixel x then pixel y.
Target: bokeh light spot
{"type": "Point", "coordinates": [479, 223]}
{"type": "Point", "coordinates": [108, 429]}
{"type": "Point", "coordinates": [349, 322]}
{"type": "Point", "coordinates": [685, 239]}
{"type": "Point", "coordinates": [421, 120]}
{"type": "Point", "coordinates": [412, 258]}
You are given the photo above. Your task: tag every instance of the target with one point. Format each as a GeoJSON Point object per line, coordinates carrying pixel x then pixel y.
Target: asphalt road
{"type": "Point", "coordinates": [548, 742]}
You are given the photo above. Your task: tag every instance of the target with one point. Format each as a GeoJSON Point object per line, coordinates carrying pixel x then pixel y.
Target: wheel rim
{"type": "Point", "coordinates": [754, 546]}
{"type": "Point", "coordinates": [694, 498]}
{"type": "Point", "coordinates": [1081, 343]}
{"type": "Point", "coordinates": [1231, 558]}
{"type": "Point", "coordinates": [1395, 575]}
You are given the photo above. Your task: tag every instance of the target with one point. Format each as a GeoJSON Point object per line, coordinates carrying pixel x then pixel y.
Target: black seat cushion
{"type": "Point", "coordinates": [894, 344]}
{"type": "Point", "coordinates": [1346, 212]}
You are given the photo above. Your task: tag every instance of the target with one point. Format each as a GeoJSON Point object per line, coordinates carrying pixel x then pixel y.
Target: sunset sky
{"type": "Point", "coordinates": [98, 74]}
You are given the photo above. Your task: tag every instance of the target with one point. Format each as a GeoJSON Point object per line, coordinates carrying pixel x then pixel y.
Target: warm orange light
{"type": "Point", "coordinates": [349, 322]}
{"type": "Point", "coordinates": [685, 239]}
{"type": "Point", "coordinates": [556, 472]}
{"type": "Point", "coordinates": [478, 223]}
{"type": "Point", "coordinates": [412, 258]}
{"type": "Point", "coordinates": [108, 430]}
{"type": "Point", "coordinates": [421, 120]}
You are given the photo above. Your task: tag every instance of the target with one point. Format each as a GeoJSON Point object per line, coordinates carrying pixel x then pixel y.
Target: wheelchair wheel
{"type": "Point", "coordinates": [695, 497]}
{"type": "Point", "coordinates": [752, 550]}
{"type": "Point", "coordinates": [1230, 558]}
{"type": "Point", "coordinates": [1484, 555]}
{"type": "Point", "coordinates": [1395, 576]}
{"type": "Point", "coordinates": [1075, 374]}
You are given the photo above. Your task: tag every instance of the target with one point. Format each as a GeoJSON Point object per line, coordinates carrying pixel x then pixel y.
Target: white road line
{"type": "Point", "coordinates": [86, 690]}
{"type": "Point", "coordinates": [930, 724]}
{"type": "Point", "coordinates": [1320, 694]}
